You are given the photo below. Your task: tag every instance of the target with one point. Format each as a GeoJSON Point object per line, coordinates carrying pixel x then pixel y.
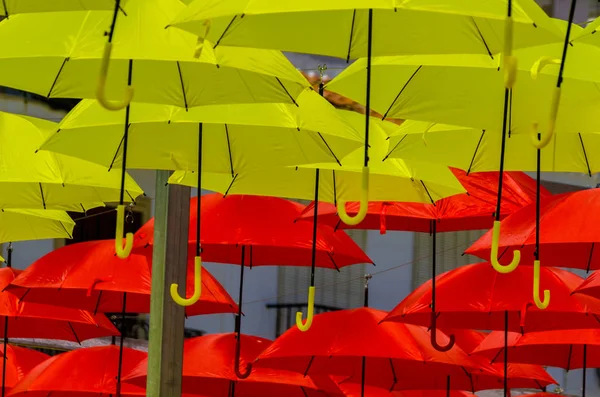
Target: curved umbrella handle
{"type": "Point", "coordinates": [101, 88]}
{"type": "Point", "coordinates": [305, 326]}
{"type": "Point", "coordinates": [433, 334]}
{"type": "Point", "coordinates": [537, 67]}
{"type": "Point", "coordinates": [536, 288]}
{"type": "Point", "coordinates": [494, 253]}
{"type": "Point", "coordinates": [364, 203]}
{"type": "Point", "coordinates": [510, 61]}
{"type": "Point", "coordinates": [122, 251]}
{"type": "Point", "coordinates": [236, 366]}
{"type": "Point", "coordinates": [197, 286]}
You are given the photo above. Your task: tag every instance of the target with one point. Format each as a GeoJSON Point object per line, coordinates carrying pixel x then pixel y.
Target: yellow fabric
{"type": "Point", "coordinates": [47, 180]}
{"type": "Point", "coordinates": [395, 179]}
{"type": "Point", "coordinates": [12, 7]}
{"type": "Point", "coordinates": [339, 27]}
{"type": "Point", "coordinates": [21, 225]}
{"type": "Point", "coordinates": [478, 150]}
{"type": "Point", "coordinates": [59, 55]}
{"type": "Point", "coordinates": [468, 90]}
{"type": "Point", "coordinates": [235, 137]}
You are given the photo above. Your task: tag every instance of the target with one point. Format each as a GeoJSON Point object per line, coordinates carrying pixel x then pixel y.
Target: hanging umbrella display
{"type": "Point", "coordinates": [207, 367]}
{"type": "Point", "coordinates": [12, 7]}
{"type": "Point", "coordinates": [500, 302]}
{"type": "Point", "coordinates": [367, 29]}
{"type": "Point", "coordinates": [91, 372]}
{"type": "Point", "coordinates": [158, 63]}
{"type": "Point", "coordinates": [567, 349]}
{"type": "Point", "coordinates": [329, 182]}
{"type": "Point", "coordinates": [469, 211]}
{"type": "Point", "coordinates": [445, 87]}
{"type": "Point", "coordinates": [19, 361]}
{"type": "Point", "coordinates": [22, 225]}
{"type": "Point", "coordinates": [240, 229]}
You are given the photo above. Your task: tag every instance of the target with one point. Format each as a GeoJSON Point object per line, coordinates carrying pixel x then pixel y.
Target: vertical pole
{"type": "Point", "coordinates": [169, 265]}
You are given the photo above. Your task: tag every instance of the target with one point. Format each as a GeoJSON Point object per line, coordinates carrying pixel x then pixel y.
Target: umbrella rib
{"type": "Point", "coordinates": [57, 77]}
{"type": "Point", "coordinates": [587, 163]}
{"type": "Point", "coordinates": [66, 231]}
{"type": "Point", "coordinates": [569, 358]}
{"type": "Point", "coordinates": [98, 302]}
{"type": "Point", "coordinates": [308, 366]}
{"type": "Point", "coordinates": [334, 191]}
{"type": "Point", "coordinates": [116, 154]}
{"type": "Point", "coordinates": [482, 38]}
{"type": "Point", "coordinates": [286, 91]}
{"type": "Point", "coordinates": [400, 93]}
{"type": "Point", "coordinates": [74, 333]}
{"type": "Point", "coordinates": [394, 148]}
{"type": "Point", "coordinates": [225, 31]}
{"type": "Point", "coordinates": [329, 148]}
{"type": "Point", "coordinates": [230, 185]}
{"type": "Point", "coordinates": [332, 261]}
{"type": "Point", "coordinates": [395, 378]}
{"type": "Point", "coordinates": [351, 35]}
{"type": "Point", "coordinates": [182, 86]}
{"type": "Point", "coordinates": [303, 391]}
{"type": "Point", "coordinates": [475, 152]}
{"type": "Point", "coordinates": [427, 191]}
{"type": "Point", "coordinates": [229, 150]}
{"type": "Point", "coordinates": [42, 194]}
{"type": "Point", "coordinates": [590, 259]}
{"type": "Point", "coordinates": [5, 9]}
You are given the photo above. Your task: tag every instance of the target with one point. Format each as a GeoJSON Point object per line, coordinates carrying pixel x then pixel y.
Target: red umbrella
{"type": "Point", "coordinates": [262, 231]}
{"type": "Point", "coordinates": [590, 286]}
{"type": "Point", "coordinates": [81, 372]}
{"type": "Point", "coordinates": [207, 369]}
{"type": "Point", "coordinates": [19, 361]}
{"type": "Point", "coordinates": [90, 276]}
{"type": "Point", "coordinates": [568, 349]}
{"type": "Point", "coordinates": [568, 235]}
{"type": "Point", "coordinates": [353, 343]}
{"type": "Point", "coordinates": [470, 211]}
{"type": "Point", "coordinates": [353, 390]}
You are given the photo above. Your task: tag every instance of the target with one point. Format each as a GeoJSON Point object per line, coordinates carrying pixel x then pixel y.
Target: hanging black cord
{"type": "Point", "coordinates": [199, 202]}
{"type": "Point", "coordinates": [368, 99]}
{"type": "Point", "coordinates": [125, 140]}
{"type": "Point", "coordinates": [238, 323]}
{"type": "Point", "coordinates": [121, 342]}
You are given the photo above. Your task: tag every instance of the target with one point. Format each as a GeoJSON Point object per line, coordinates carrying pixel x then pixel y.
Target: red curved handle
{"type": "Point", "coordinates": [236, 366]}
{"type": "Point", "coordinates": [434, 341]}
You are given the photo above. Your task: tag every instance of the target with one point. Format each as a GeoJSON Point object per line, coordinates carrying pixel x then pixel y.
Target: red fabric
{"type": "Point", "coordinates": [353, 390]}
{"type": "Point", "coordinates": [476, 297]}
{"type": "Point", "coordinates": [562, 349]}
{"type": "Point", "coordinates": [590, 286]}
{"type": "Point", "coordinates": [87, 371]}
{"type": "Point", "coordinates": [569, 232]}
{"type": "Point", "coordinates": [397, 355]}
{"type": "Point", "coordinates": [470, 211]}
{"type": "Point", "coordinates": [34, 320]}
{"type": "Point", "coordinates": [208, 363]}
{"type": "Point", "coordinates": [89, 276]}
{"type": "Point", "coordinates": [267, 225]}
{"type": "Point", "coordinates": [19, 361]}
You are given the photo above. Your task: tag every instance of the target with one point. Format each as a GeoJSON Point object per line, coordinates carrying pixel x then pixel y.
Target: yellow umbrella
{"type": "Point", "coordinates": [22, 225]}
{"type": "Point", "coordinates": [50, 181]}
{"type": "Point", "coordinates": [12, 7]}
{"type": "Point", "coordinates": [158, 63]}
{"type": "Point", "coordinates": [237, 137]}
{"type": "Point", "coordinates": [366, 28]}
{"type": "Point", "coordinates": [395, 180]}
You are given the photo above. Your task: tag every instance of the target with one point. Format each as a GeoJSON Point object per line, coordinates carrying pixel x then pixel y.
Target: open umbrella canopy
{"type": "Point", "coordinates": [89, 276]}
{"type": "Point", "coordinates": [395, 355]}
{"type": "Point", "coordinates": [477, 297]}
{"type": "Point", "coordinates": [21, 225]}
{"type": "Point", "coordinates": [11, 7]}
{"type": "Point", "coordinates": [235, 136]}
{"type": "Point", "coordinates": [398, 27]}
{"type": "Point", "coordinates": [468, 211]}
{"type": "Point", "coordinates": [590, 286]}
{"type": "Point", "coordinates": [33, 320]}
{"type": "Point", "coordinates": [353, 390]}
{"type": "Point", "coordinates": [466, 90]}
{"type": "Point", "coordinates": [267, 227]}
{"type": "Point", "coordinates": [45, 180]}
{"type": "Point", "coordinates": [414, 181]}
{"type": "Point", "coordinates": [480, 149]}
{"type": "Point", "coordinates": [82, 372]}
{"type": "Point", "coordinates": [208, 368]}
{"type": "Point", "coordinates": [562, 349]}
{"type": "Point", "coordinates": [65, 64]}
{"type": "Point", "coordinates": [19, 361]}
{"type": "Point", "coordinates": [568, 232]}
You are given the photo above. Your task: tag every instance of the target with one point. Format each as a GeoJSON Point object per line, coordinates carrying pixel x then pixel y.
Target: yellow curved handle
{"type": "Point", "coordinates": [197, 286]}
{"type": "Point", "coordinates": [364, 203]}
{"type": "Point", "coordinates": [100, 89]}
{"type": "Point", "coordinates": [494, 253]}
{"type": "Point", "coordinates": [540, 64]}
{"type": "Point", "coordinates": [510, 61]}
{"type": "Point", "coordinates": [305, 326]}
{"type": "Point", "coordinates": [122, 251]}
{"type": "Point", "coordinates": [536, 288]}
{"type": "Point", "coordinates": [547, 137]}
